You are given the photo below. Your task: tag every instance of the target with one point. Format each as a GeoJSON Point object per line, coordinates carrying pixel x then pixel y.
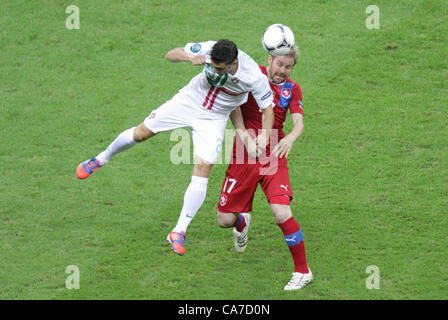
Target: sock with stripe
{"type": "Point", "coordinates": [294, 239]}
{"type": "Point", "coordinates": [240, 223]}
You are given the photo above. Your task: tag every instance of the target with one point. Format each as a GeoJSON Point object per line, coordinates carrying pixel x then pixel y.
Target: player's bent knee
{"type": "Point", "coordinates": [226, 220]}
{"type": "Point", "coordinates": [202, 168]}
{"type": "Point", "coordinates": [282, 212]}
{"type": "Point", "coordinates": [141, 133]}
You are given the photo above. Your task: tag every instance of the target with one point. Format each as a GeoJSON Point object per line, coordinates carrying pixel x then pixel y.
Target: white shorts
{"type": "Point", "coordinates": [207, 127]}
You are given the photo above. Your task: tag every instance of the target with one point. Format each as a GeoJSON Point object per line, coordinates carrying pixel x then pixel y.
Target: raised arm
{"type": "Point", "coordinates": [179, 55]}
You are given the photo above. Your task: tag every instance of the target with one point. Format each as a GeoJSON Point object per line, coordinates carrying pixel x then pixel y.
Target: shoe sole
{"type": "Point", "coordinates": [298, 288]}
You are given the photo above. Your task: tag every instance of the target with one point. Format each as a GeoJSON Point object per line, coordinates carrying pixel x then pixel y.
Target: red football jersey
{"type": "Point", "coordinates": [287, 95]}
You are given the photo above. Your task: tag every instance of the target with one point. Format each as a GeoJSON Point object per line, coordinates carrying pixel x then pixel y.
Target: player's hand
{"type": "Point", "coordinates": [283, 147]}
{"type": "Point", "coordinates": [252, 149]}
{"type": "Point", "coordinates": [261, 140]}
{"type": "Point", "coordinates": [198, 60]}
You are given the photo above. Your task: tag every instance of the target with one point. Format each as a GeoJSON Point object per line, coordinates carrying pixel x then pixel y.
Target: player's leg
{"type": "Point", "coordinates": [227, 219]}
{"type": "Point", "coordinates": [207, 139]}
{"type": "Point", "coordinates": [238, 220]}
{"type": "Point", "coordinates": [193, 199]}
{"type": "Point", "coordinates": [278, 192]}
{"type": "Point", "coordinates": [175, 113]}
{"type": "Point", "coordinates": [292, 233]}
{"type": "Point", "coordinates": [195, 194]}
{"type": "Point", "coordinates": [124, 141]}
{"type": "Point", "coordinates": [294, 240]}
{"type": "Point", "coordinates": [236, 200]}
{"type": "Point", "coordinates": [240, 223]}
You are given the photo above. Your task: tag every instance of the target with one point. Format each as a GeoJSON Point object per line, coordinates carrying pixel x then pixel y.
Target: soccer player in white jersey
{"type": "Point", "coordinates": [204, 106]}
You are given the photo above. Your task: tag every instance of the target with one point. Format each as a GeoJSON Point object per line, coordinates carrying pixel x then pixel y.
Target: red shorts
{"type": "Point", "coordinates": [241, 181]}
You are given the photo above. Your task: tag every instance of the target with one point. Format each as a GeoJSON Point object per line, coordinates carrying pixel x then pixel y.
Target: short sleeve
{"type": "Point", "coordinates": [262, 92]}
{"type": "Point", "coordinates": [202, 48]}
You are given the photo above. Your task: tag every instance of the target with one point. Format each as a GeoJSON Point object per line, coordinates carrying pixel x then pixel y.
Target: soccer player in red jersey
{"type": "Point", "coordinates": [248, 167]}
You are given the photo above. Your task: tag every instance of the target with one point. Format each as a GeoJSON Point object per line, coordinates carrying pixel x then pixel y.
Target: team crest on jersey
{"type": "Point", "coordinates": [195, 48]}
{"type": "Point", "coordinates": [223, 200]}
{"type": "Point", "coordinates": [235, 80]}
{"type": "Point", "coordinates": [286, 92]}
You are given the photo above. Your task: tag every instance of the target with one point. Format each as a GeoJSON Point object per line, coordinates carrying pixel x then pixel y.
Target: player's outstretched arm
{"type": "Point", "coordinates": [284, 146]}
{"type": "Point", "coordinates": [179, 55]}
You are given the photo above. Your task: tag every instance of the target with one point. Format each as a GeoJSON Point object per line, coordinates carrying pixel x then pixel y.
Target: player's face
{"type": "Point", "coordinates": [222, 68]}
{"type": "Point", "coordinates": [280, 68]}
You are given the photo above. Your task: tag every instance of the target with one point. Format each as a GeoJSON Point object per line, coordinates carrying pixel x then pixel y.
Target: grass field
{"type": "Point", "coordinates": [369, 174]}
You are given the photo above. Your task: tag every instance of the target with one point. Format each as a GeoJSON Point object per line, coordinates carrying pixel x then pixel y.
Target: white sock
{"type": "Point", "coordinates": [193, 199]}
{"type": "Point", "coordinates": [124, 141]}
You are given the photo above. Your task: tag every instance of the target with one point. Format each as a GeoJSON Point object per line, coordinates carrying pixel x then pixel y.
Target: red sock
{"type": "Point", "coordinates": [294, 240]}
{"type": "Point", "coordinates": [240, 223]}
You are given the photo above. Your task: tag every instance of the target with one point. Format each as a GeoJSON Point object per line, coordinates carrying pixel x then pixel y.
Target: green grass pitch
{"type": "Point", "coordinates": [369, 173]}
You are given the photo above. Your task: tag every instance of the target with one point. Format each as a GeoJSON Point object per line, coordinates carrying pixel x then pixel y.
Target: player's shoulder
{"type": "Point", "coordinates": [295, 85]}
{"type": "Point", "coordinates": [243, 56]}
{"type": "Point", "coordinates": [250, 70]}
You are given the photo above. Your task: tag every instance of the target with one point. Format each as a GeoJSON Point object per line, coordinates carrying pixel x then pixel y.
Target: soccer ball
{"type": "Point", "coordinates": [277, 39]}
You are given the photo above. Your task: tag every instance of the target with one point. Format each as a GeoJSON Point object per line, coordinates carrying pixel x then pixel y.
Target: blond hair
{"type": "Point", "coordinates": [293, 53]}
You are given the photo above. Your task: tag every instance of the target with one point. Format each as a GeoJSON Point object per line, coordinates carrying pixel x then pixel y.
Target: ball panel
{"type": "Point", "coordinates": [273, 37]}
{"type": "Point", "coordinates": [277, 39]}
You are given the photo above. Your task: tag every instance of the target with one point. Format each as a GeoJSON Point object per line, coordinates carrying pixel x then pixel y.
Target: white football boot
{"type": "Point", "coordinates": [240, 238]}
{"type": "Point", "coordinates": [299, 280]}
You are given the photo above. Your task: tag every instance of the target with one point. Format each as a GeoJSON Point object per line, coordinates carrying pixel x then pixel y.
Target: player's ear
{"type": "Point", "coordinates": [269, 60]}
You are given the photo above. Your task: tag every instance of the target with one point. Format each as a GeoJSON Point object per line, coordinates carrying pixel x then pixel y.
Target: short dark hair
{"type": "Point", "coordinates": [224, 51]}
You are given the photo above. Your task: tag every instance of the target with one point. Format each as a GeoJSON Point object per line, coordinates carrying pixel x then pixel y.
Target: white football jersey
{"type": "Point", "coordinates": [223, 93]}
